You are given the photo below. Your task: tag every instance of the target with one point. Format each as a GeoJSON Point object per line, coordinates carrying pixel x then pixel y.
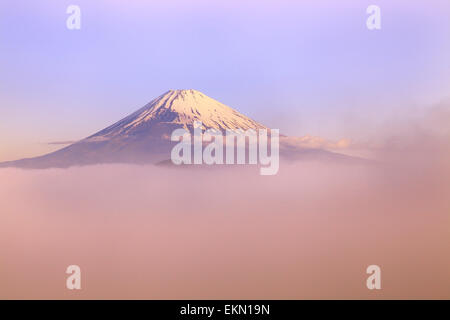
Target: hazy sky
{"type": "Point", "coordinates": [306, 67]}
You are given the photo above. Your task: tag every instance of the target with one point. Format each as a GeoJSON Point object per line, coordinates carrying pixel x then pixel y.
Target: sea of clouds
{"type": "Point", "coordinates": [220, 233]}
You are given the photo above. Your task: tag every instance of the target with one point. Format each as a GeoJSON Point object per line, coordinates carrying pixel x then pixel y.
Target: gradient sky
{"type": "Point", "coordinates": [306, 67]}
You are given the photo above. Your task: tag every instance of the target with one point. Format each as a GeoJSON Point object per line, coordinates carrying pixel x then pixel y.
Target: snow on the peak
{"type": "Point", "coordinates": [186, 106]}
{"type": "Point", "coordinates": [182, 108]}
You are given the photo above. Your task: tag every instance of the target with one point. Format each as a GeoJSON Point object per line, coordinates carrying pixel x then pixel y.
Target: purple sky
{"type": "Point", "coordinates": [305, 67]}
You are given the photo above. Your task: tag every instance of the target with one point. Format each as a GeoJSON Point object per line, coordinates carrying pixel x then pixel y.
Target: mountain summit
{"type": "Point", "coordinates": [144, 136]}
{"type": "Point", "coordinates": [180, 108]}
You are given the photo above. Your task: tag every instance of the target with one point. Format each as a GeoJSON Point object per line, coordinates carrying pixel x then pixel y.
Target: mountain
{"type": "Point", "coordinates": [144, 136]}
{"type": "Point", "coordinates": [180, 108]}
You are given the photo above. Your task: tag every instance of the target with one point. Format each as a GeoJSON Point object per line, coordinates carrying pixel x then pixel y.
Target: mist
{"type": "Point", "coordinates": [226, 232]}
{"type": "Point", "coordinates": [148, 232]}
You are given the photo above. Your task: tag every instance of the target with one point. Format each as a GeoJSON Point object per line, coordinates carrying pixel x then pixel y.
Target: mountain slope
{"type": "Point", "coordinates": [179, 108]}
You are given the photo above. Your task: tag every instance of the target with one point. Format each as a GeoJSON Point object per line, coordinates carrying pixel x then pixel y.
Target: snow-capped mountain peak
{"type": "Point", "coordinates": [181, 108]}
